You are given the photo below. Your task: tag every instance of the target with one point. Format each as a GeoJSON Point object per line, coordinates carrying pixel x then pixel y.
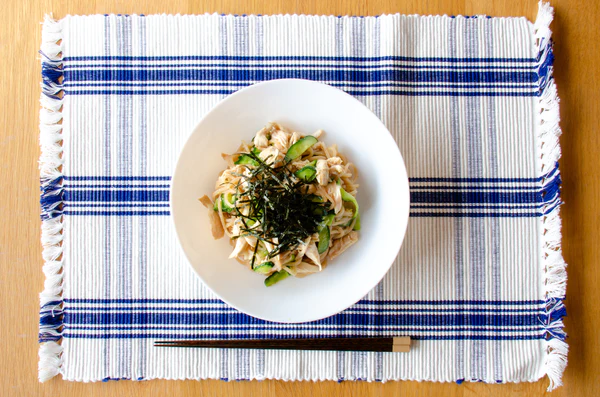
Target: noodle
{"type": "Point", "coordinates": [287, 203]}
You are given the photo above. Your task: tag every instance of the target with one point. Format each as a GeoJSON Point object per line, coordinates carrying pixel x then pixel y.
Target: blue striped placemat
{"type": "Point", "coordinates": [472, 104]}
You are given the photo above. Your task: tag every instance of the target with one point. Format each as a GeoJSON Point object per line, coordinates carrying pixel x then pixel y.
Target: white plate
{"type": "Point", "coordinates": [304, 106]}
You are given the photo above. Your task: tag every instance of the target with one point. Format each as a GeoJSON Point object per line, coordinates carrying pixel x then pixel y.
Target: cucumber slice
{"type": "Point", "coordinates": [350, 198]}
{"type": "Point", "coordinates": [276, 277]}
{"type": "Point", "coordinates": [264, 268]}
{"type": "Point", "coordinates": [315, 199]}
{"type": "Point", "coordinates": [227, 204]}
{"type": "Point", "coordinates": [320, 211]}
{"type": "Point", "coordinates": [300, 147]}
{"type": "Point", "coordinates": [307, 173]}
{"type": "Point", "coordinates": [328, 219]}
{"type": "Point", "coordinates": [245, 159]}
{"type": "Point", "coordinates": [263, 251]}
{"type": "Point", "coordinates": [323, 239]}
{"type": "Point", "coordinates": [357, 223]}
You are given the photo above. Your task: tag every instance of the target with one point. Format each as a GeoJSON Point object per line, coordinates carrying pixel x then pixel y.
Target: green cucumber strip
{"type": "Point", "coordinates": [320, 211]}
{"type": "Point", "coordinates": [307, 173]}
{"type": "Point", "coordinates": [264, 268]}
{"type": "Point", "coordinates": [350, 198]}
{"type": "Point", "coordinates": [245, 159]}
{"type": "Point", "coordinates": [357, 223]}
{"type": "Point", "coordinates": [300, 147]}
{"type": "Point", "coordinates": [323, 239]}
{"type": "Point", "coordinates": [328, 219]}
{"type": "Point", "coordinates": [227, 205]}
{"type": "Point", "coordinates": [276, 277]}
{"type": "Point", "coordinates": [315, 199]}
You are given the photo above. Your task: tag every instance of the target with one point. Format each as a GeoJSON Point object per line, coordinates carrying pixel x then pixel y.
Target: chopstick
{"type": "Point", "coordinates": [397, 344]}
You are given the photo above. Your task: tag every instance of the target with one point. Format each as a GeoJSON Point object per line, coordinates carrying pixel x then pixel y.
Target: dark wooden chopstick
{"type": "Point", "coordinates": [397, 344]}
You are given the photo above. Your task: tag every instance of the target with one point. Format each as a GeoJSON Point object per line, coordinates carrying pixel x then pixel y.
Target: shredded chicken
{"type": "Point", "coordinates": [240, 244]}
{"type": "Point", "coordinates": [333, 189]}
{"type": "Point", "coordinates": [250, 240]}
{"type": "Point", "coordinates": [216, 227]}
{"type": "Point", "coordinates": [261, 140]}
{"type": "Point", "coordinates": [322, 172]}
{"type": "Point", "coordinates": [294, 138]}
{"type": "Point", "coordinates": [228, 158]}
{"type": "Point", "coordinates": [307, 268]}
{"type": "Point", "coordinates": [271, 155]}
{"type": "Point", "coordinates": [313, 254]}
{"type": "Point", "coordinates": [335, 166]}
{"type": "Point", "coordinates": [318, 134]}
{"type": "Point", "coordinates": [280, 140]}
{"type": "Point", "coordinates": [342, 244]}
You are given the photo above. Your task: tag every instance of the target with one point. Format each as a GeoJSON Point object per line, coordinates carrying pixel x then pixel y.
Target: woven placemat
{"type": "Point", "coordinates": [471, 102]}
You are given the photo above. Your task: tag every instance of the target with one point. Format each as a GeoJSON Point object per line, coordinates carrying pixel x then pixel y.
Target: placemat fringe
{"type": "Point", "coordinates": [554, 266]}
{"type": "Point", "coordinates": [51, 200]}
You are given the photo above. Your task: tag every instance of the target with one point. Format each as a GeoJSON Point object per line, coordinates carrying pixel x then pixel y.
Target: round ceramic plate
{"type": "Point", "coordinates": [303, 106]}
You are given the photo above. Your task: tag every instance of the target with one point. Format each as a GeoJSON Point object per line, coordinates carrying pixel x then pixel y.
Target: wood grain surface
{"type": "Point", "coordinates": [576, 32]}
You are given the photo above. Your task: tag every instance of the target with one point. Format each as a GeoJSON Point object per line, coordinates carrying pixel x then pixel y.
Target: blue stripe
{"type": "Point", "coordinates": [124, 242]}
{"type": "Point", "coordinates": [412, 179]}
{"type": "Point", "coordinates": [106, 186]}
{"type": "Point", "coordinates": [123, 209]}
{"type": "Point", "coordinates": [458, 206]}
{"type": "Point", "coordinates": [456, 197]}
{"type": "Point", "coordinates": [107, 222]}
{"type": "Point", "coordinates": [412, 214]}
{"type": "Point", "coordinates": [73, 335]}
{"type": "Point", "coordinates": [375, 309]}
{"type": "Point", "coordinates": [227, 74]}
{"type": "Point", "coordinates": [341, 319]}
{"type": "Point", "coordinates": [344, 329]}
{"type": "Point", "coordinates": [354, 93]}
{"type": "Point", "coordinates": [361, 302]}
{"type": "Point", "coordinates": [475, 215]}
{"type": "Point", "coordinates": [116, 195]}
{"type": "Point", "coordinates": [117, 178]}
{"type": "Point", "coordinates": [296, 58]}
{"type": "Point", "coordinates": [337, 65]}
{"type": "Point", "coordinates": [448, 187]}
{"type": "Point", "coordinates": [494, 224]}
{"type": "Point", "coordinates": [143, 222]}
{"type": "Point", "coordinates": [366, 85]}
{"type": "Point", "coordinates": [458, 222]}
{"type": "Point", "coordinates": [475, 197]}
{"type": "Point", "coordinates": [116, 205]}
{"type": "Point", "coordinates": [476, 228]}
{"type": "Point", "coordinates": [119, 213]}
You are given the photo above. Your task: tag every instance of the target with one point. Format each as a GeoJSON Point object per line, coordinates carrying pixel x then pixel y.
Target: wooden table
{"type": "Point", "coordinates": [576, 31]}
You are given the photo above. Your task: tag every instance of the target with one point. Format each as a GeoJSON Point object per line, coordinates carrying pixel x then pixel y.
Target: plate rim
{"type": "Point", "coordinates": [244, 91]}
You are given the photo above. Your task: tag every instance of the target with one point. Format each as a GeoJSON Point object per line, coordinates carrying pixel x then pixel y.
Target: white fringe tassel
{"type": "Point", "coordinates": [50, 363]}
{"type": "Point", "coordinates": [554, 266]}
